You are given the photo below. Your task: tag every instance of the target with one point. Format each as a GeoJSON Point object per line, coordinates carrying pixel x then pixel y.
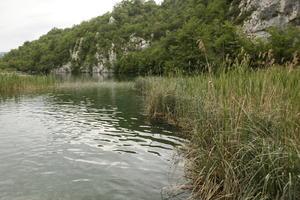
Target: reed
{"type": "Point", "coordinates": [245, 130]}
{"type": "Point", "coordinates": [15, 82]}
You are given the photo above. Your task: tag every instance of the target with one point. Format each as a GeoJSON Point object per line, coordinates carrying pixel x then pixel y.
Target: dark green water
{"type": "Point", "coordinates": [86, 143]}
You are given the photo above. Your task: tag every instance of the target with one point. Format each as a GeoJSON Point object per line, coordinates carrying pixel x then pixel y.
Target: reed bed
{"type": "Point", "coordinates": [245, 130]}
{"type": "Point", "coordinates": [15, 82]}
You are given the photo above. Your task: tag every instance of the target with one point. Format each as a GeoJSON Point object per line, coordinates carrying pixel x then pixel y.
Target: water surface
{"type": "Point", "coordinates": [84, 143]}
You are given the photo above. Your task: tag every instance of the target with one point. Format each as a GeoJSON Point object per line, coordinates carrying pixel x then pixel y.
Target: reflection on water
{"type": "Point", "coordinates": [83, 143]}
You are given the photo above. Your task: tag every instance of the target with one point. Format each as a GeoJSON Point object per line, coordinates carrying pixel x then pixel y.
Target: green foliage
{"type": "Point", "coordinates": [284, 42]}
{"type": "Point", "coordinates": [174, 29]}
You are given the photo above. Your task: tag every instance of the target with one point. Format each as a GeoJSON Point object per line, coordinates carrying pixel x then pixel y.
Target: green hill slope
{"type": "Point", "coordinates": [143, 37]}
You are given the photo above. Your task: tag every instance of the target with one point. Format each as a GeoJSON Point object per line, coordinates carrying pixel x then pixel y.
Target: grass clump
{"type": "Point", "coordinates": [245, 130]}
{"type": "Point", "coordinates": [15, 82]}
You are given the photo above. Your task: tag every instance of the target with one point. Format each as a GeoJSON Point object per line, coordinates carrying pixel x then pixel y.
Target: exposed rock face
{"type": "Point", "coordinates": [269, 13]}
{"type": "Point", "coordinates": [112, 56]}
{"type": "Point", "coordinates": [67, 68]}
{"type": "Point", "coordinates": [111, 20]}
{"type": "Point", "coordinates": [75, 52]}
{"type": "Point", "coordinates": [139, 43]}
{"type": "Point", "coordinates": [105, 59]}
{"type": "Point", "coordinates": [99, 67]}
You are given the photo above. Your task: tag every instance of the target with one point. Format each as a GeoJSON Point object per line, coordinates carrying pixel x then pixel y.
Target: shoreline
{"type": "Point", "coordinates": [11, 82]}
{"type": "Point", "coordinates": [244, 130]}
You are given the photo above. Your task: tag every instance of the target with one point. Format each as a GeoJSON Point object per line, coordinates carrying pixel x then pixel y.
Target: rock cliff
{"type": "Point", "coordinates": [104, 59]}
{"type": "Point", "coordinates": [265, 14]}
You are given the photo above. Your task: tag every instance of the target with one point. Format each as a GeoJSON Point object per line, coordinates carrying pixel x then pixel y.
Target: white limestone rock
{"type": "Point", "coordinates": [67, 68]}
{"type": "Point", "coordinates": [76, 50]}
{"type": "Point", "coordinates": [269, 13]}
{"type": "Point", "coordinates": [100, 66]}
{"type": "Point", "coordinates": [138, 42]}
{"type": "Point", "coordinates": [111, 20]}
{"type": "Point", "coordinates": [112, 55]}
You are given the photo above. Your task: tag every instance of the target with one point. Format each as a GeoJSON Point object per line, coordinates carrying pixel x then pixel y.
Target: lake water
{"type": "Point", "coordinates": [84, 143]}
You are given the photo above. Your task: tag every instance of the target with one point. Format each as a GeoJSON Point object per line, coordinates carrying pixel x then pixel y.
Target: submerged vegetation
{"type": "Point", "coordinates": [245, 130]}
{"type": "Point", "coordinates": [15, 82]}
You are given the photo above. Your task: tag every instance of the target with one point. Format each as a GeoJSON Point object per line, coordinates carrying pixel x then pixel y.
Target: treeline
{"type": "Point", "coordinates": [184, 35]}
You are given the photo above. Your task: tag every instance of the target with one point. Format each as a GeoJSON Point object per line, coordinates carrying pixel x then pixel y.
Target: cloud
{"type": "Point", "coordinates": [26, 20]}
{"type": "Point", "coordinates": [22, 21]}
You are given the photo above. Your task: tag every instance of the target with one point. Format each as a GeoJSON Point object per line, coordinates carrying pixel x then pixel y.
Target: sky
{"type": "Point", "coordinates": [27, 20]}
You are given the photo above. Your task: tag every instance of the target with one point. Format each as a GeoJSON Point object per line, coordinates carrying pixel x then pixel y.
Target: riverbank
{"type": "Point", "coordinates": [244, 130]}
{"type": "Point", "coordinates": [86, 140]}
{"type": "Point", "coordinates": [15, 82]}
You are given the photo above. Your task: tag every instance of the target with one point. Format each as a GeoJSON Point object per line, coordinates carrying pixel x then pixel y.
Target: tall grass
{"type": "Point", "coordinates": [245, 130]}
{"type": "Point", "coordinates": [14, 82]}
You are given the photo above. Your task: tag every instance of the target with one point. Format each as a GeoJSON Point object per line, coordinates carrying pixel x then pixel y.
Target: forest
{"type": "Point", "coordinates": [179, 35]}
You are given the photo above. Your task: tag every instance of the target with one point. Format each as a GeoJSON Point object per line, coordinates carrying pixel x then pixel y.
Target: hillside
{"type": "Point", "coordinates": [142, 37]}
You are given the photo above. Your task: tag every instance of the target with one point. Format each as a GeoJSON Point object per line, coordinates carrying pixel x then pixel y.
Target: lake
{"type": "Point", "coordinates": [87, 142]}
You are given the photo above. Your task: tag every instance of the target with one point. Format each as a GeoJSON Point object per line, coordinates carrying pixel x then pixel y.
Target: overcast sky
{"type": "Point", "coordinates": [26, 20]}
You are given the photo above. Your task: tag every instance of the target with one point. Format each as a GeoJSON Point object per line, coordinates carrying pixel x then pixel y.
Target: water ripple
{"type": "Point", "coordinates": [74, 143]}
